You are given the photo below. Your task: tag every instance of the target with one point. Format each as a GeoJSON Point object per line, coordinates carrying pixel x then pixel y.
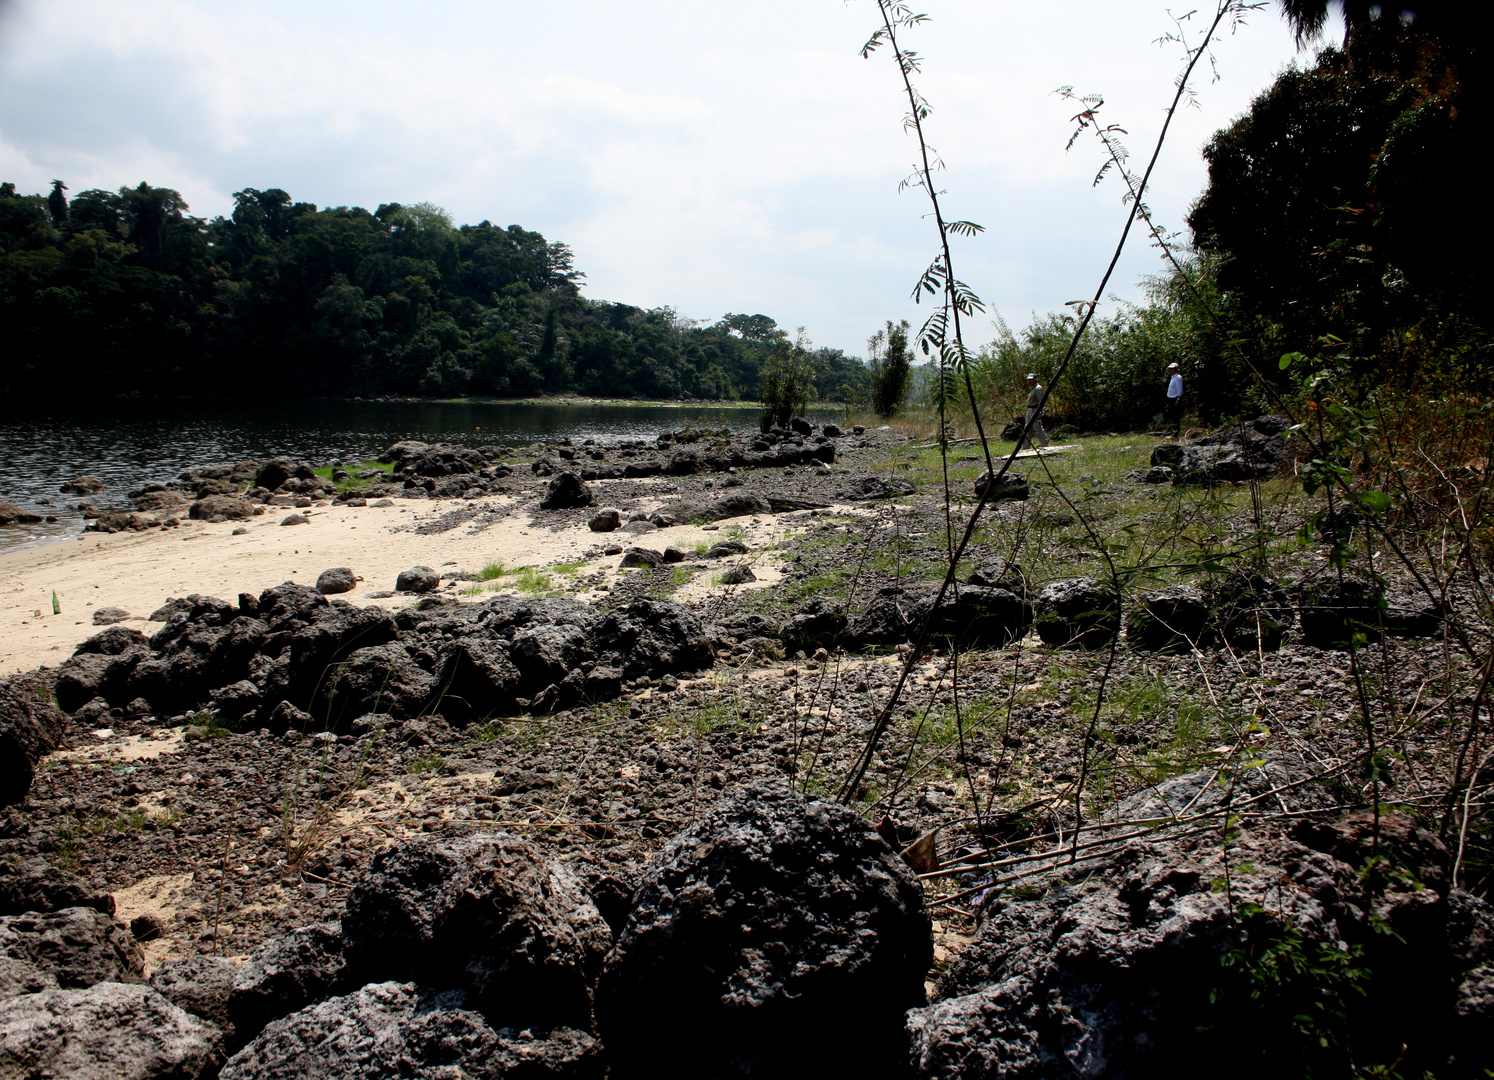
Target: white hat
{"type": "Point", "coordinates": [1031, 376]}
{"type": "Point", "coordinates": [1171, 366]}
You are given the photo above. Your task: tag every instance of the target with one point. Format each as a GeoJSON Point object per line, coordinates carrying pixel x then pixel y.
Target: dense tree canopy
{"type": "Point", "coordinates": [1344, 202]}
{"type": "Point", "coordinates": [122, 292]}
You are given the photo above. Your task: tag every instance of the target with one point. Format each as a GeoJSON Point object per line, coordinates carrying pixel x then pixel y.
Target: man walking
{"type": "Point", "coordinates": [1175, 399]}
{"type": "Point", "coordinates": [1034, 419]}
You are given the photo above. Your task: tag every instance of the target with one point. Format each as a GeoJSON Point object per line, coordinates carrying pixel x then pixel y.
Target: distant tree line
{"type": "Point", "coordinates": [112, 293]}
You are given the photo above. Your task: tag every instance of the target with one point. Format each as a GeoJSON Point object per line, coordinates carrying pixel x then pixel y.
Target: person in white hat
{"type": "Point", "coordinates": [1034, 418]}
{"type": "Point", "coordinates": [1175, 399]}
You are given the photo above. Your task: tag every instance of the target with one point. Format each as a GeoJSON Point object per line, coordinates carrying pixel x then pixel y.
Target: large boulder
{"type": "Point", "coordinates": [35, 885]}
{"type": "Point", "coordinates": [566, 491]}
{"type": "Point", "coordinates": [338, 579]}
{"type": "Point", "coordinates": [975, 616]}
{"type": "Point", "coordinates": [737, 504]}
{"type": "Point", "coordinates": [777, 936]}
{"type": "Point", "coordinates": [1170, 619]}
{"type": "Point", "coordinates": [417, 579]}
{"type": "Point", "coordinates": [1249, 612]}
{"type": "Point", "coordinates": [814, 625]}
{"type": "Point", "coordinates": [86, 675]}
{"type": "Point", "coordinates": [201, 985]}
{"type": "Point", "coordinates": [1334, 609]}
{"type": "Point", "coordinates": [1249, 450]}
{"type": "Point", "coordinates": [286, 974]}
{"type": "Point", "coordinates": [486, 913]}
{"type": "Point", "coordinates": [83, 485]}
{"type": "Point", "coordinates": [80, 946]}
{"type": "Point", "coordinates": [1077, 613]}
{"type": "Point", "coordinates": [1273, 949]}
{"type": "Point", "coordinates": [653, 638]}
{"type": "Point", "coordinates": [10, 514]}
{"type": "Point", "coordinates": [221, 508]}
{"type": "Point", "coordinates": [30, 727]}
{"type": "Point", "coordinates": [396, 1031]}
{"type": "Point", "coordinates": [378, 679]}
{"type": "Point", "coordinates": [106, 1032]}
{"type": "Point", "coordinates": [477, 680]}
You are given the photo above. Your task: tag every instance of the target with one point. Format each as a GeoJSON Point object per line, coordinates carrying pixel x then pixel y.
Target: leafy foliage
{"type": "Point", "coordinates": [126, 292]}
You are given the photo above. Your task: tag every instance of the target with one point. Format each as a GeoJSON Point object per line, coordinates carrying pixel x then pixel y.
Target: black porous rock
{"type": "Point", "coordinates": [642, 557]}
{"type": "Point", "coordinates": [1118, 967]}
{"type": "Point", "coordinates": [488, 914]}
{"type": "Point", "coordinates": [112, 641]}
{"type": "Point", "coordinates": [30, 727]}
{"type": "Point", "coordinates": [79, 945]}
{"type": "Point", "coordinates": [476, 680]}
{"type": "Point", "coordinates": [777, 936]}
{"type": "Point", "coordinates": [1170, 619]}
{"type": "Point", "coordinates": [1166, 456]}
{"type": "Point", "coordinates": [1250, 612]}
{"type": "Point", "coordinates": [1409, 615]}
{"type": "Point", "coordinates": [417, 579]}
{"type": "Point", "coordinates": [1008, 486]}
{"type": "Point", "coordinates": [737, 575]}
{"type": "Point", "coordinates": [200, 985]}
{"type": "Point", "coordinates": [106, 1032]}
{"type": "Point", "coordinates": [1077, 613]}
{"type": "Point", "coordinates": [378, 679]}
{"type": "Point", "coordinates": [654, 638]}
{"type": "Point", "coordinates": [975, 615]}
{"type": "Point", "coordinates": [815, 625]}
{"type": "Point", "coordinates": [23, 977]}
{"type": "Point", "coordinates": [398, 1031]}
{"type": "Point", "coordinates": [1248, 450]}
{"type": "Point", "coordinates": [286, 974]}
{"type": "Point", "coordinates": [832, 431]}
{"type": "Point", "coordinates": [338, 579]}
{"type": "Point", "coordinates": [566, 491]}
{"type": "Point", "coordinates": [37, 885]}
{"type": "Point", "coordinates": [801, 426]}
{"type": "Point", "coordinates": [605, 521]}
{"type": "Point", "coordinates": [1332, 610]}
{"type": "Point", "coordinates": [876, 487]}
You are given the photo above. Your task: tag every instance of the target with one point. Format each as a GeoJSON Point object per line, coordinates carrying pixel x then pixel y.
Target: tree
{"type": "Point", "coordinates": [891, 367]}
{"type": "Point", "coordinates": [57, 203]}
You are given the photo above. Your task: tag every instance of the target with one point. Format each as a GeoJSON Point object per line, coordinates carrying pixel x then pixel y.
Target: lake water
{"type": "Point", "coordinates": [127, 444]}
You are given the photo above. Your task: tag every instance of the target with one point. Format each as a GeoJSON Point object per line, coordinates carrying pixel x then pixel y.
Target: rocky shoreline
{"type": "Point", "coordinates": [519, 835]}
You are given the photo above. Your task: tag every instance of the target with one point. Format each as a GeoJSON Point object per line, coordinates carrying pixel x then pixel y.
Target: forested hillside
{"type": "Point", "coordinates": [121, 292]}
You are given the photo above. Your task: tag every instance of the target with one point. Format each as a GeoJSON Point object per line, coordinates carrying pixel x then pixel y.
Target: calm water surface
{"type": "Point", "coordinates": [126, 444]}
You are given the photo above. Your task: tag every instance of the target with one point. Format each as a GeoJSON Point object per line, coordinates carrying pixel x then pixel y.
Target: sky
{"type": "Point", "coordinates": [710, 156]}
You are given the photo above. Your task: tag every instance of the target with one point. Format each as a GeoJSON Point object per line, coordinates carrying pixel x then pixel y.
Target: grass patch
{"type": "Point", "coordinates": [352, 470]}
{"type": "Point", "coordinates": [209, 725]}
{"type": "Point", "coordinates": [427, 763]}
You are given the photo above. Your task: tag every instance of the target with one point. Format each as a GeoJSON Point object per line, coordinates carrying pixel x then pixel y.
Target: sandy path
{"type": "Point", "coordinates": [139, 571]}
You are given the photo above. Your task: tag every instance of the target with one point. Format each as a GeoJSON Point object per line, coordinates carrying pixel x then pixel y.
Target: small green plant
{"type": "Point", "coordinates": [209, 725]}
{"type": "Point", "coordinates": [427, 763]}
{"type": "Point", "coordinates": [491, 572]}
{"type": "Point", "coordinates": [680, 575]}
{"type": "Point", "coordinates": [1287, 999]}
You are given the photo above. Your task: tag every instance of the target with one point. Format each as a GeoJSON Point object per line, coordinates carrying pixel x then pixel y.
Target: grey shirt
{"type": "Point", "coordinates": [1035, 396]}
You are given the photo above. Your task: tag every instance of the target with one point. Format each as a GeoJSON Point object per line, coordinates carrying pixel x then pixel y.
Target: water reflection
{"type": "Point", "coordinates": [127, 444]}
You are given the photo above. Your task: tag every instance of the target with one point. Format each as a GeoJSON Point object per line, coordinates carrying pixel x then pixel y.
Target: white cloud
{"type": "Point", "coordinates": [731, 156]}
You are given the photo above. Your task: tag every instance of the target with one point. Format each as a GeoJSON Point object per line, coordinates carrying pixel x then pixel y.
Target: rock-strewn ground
{"type": "Point", "coordinates": [217, 830]}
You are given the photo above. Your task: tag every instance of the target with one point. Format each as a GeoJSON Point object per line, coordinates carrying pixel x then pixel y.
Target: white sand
{"type": "Point", "coordinates": [139, 571]}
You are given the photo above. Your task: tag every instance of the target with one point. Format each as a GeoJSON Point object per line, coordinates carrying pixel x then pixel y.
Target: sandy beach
{"type": "Point", "coordinates": [140, 571]}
